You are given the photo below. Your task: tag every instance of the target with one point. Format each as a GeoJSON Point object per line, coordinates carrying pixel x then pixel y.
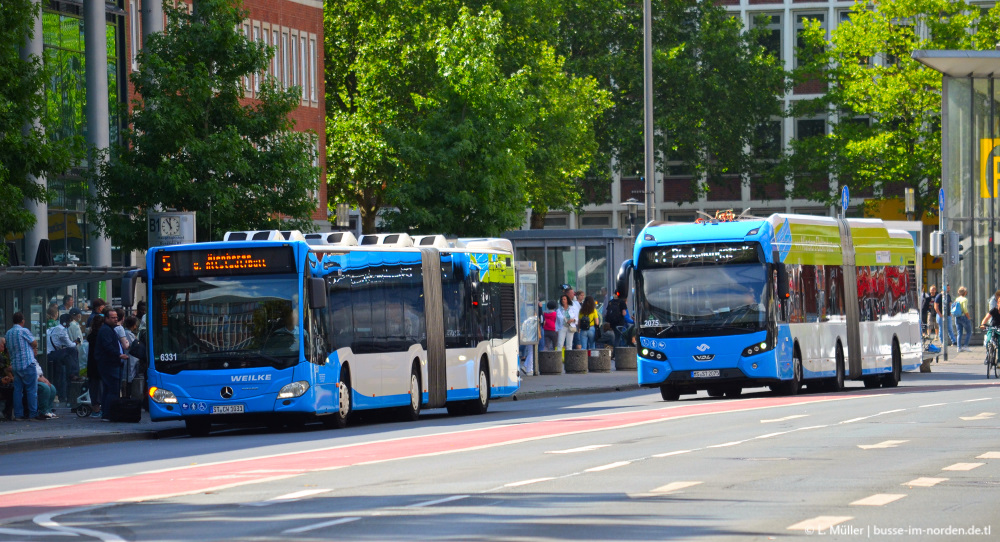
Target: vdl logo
{"type": "Point", "coordinates": [702, 347]}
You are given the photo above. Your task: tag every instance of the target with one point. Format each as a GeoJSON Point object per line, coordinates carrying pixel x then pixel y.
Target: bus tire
{"type": "Point", "coordinates": [872, 382]}
{"type": "Point", "coordinates": [734, 393]}
{"type": "Point", "coordinates": [794, 386]}
{"type": "Point", "coordinates": [198, 427]}
{"type": "Point", "coordinates": [482, 404]}
{"type": "Point", "coordinates": [892, 379]}
{"type": "Point", "coordinates": [411, 412]}
{"type": "Point", "coordinates": [838, 381]}
{"type": "Point", "coordinates": [669, 393]}
{"type": "Point", "coordinates": [339, 419]}
{"type": "Point", "coordinates": [716, 392]}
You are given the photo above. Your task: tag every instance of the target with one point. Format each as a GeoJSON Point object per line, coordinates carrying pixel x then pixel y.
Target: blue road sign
{"type": "Point", "coordinates": [940, 200]}
{"type": "Point", "coordinates": [845, 198]}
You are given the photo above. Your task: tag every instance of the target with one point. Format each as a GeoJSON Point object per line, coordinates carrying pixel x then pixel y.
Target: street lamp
{"type": "Point", "coordinates": [911, 206]}
{"type": "Point", "coordinates": [631, 204]}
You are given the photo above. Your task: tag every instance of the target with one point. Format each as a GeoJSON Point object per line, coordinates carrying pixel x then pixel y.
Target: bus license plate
{"type": "Point", "coordinates": [227, 409]}
{"type": "Point", "coordinates": [704, 374]}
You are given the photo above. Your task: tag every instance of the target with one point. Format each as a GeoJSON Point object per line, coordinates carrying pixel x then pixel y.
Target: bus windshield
{"type": "Point", "coordinates": [225, 323]}
{"type": "Point", "coordinates": [703, 300]}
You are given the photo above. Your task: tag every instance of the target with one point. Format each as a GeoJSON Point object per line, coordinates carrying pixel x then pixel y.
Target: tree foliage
{"type": "Point", "coordinates": [884, 107]}
{"type": "Point", "coordinates": [25, 152]}
{"type": "Point", "coordinates": [196, 144]}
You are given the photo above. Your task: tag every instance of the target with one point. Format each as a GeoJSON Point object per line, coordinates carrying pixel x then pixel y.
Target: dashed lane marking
{"type": "Point", "coordinates": [580, 449]}
{"type": "Point", "coordinates": [290, 497]}
{"type": "Point", "coordinates": [819, 523]}
{"type": "Point", "coordinates": [609, 466]}
{"type": "Point", "coordinates": [976, 400]}
{"type": "Point", "coordinates": [925, 482]}
{"type": "Point", "coordinates": [881, 445]}
{"type": "Point", "coordinates": [963, 466]}
{"type": "Point", "coordinates": [980, 416]}
{"type": "Point", "coordinates": [785, 419]}
{"type": "Point", "coordinates": [878, 499]}
{"type": "Point", "coordinates": [673, 486]}
{"type": "Point", "coordinates": [932, 405]}
{"type": "Point", "coordinates": [675, 452]}
{"type": "Point", "coordinates": [314, 526]}
{"type": "Point", "coordinates": [438, 501]}
{"type": "Point", "coordinates": [529, 482]}
{"type": "Point", "coordinates": [989, 455]}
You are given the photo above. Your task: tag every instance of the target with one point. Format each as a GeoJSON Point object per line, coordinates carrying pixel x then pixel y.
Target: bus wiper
{"type": "Point", "coordinates": [243, 354]}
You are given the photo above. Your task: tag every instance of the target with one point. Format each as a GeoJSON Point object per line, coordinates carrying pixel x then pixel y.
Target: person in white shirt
{"type": "Point", "coordinates": [62, 353]}
{"type": "Point", "coordinates": [574, 314]}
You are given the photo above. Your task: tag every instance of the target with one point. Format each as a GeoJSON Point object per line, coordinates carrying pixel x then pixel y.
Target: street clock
{"type": "Point", "coordinates": [171, 228]}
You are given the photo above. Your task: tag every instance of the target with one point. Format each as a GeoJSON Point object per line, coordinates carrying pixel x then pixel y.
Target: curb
{"type": "Point", "coordinates": [31, 445]}
{"type": "Point", "coordinates": [544, 394]}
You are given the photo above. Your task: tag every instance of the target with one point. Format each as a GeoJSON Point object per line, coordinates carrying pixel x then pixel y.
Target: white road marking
{"type": "Point", "coordinates": [528, 482]}
{"type": "Point", "coordinates": [819, 523]}
{"type": "Point", "coordinates": [609, 466]}
{"type": "Point", "coordinates": [989, 455]}
{"type": "Point", "coordinates": [932, 404]}
{"type": "Point", "coordinates": [315, 526]}
{"type": "Point", "coordinates": [673, 486]}
{"type": "Point", "coordinates": [975, 400]}
{"type": "Point", "coordinates": [676, 452]}
{"type": "Point", "coordinates": [727, 444]}
{"type": "Point", "coordinates": [881, 445]}
{"type": "Point", "coordinates": [289, 497]}
{"type": "Point", "coordinates": [852, 420]}
{"type": "Point", "coordinates": [980, 416]}
{"type": "Point", "coordinates": [437, 501]}
{"type": "Point", "coordinates": [925, 482]}
{"type": "Point", "coordinates": [963, 466]}
{"type": "Point", "coordinates": [47, 521]}
{"type": "Point", "coordinates": [878, 499]}
{"type": "Point", "coordinates": [785, 419]}
{"type": "Point", "coordinates": [24, 532]}
{"type": "Point", "coordinates": [580, 449]}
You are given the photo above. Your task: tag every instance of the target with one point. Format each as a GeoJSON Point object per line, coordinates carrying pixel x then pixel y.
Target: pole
{"type": "Point", "coordinates": [647, 19]}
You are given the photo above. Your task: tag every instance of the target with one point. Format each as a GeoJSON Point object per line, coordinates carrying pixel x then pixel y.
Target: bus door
{"type": "Point", "coordinates": [437, 359]}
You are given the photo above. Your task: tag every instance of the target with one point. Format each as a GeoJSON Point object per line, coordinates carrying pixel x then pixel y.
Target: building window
{"type": "Point", "coordinates": [800, 25]}
{"type": "Point", "coordinates": [805, 128]}
{"type": "Point", "coordinates": [276, 61]}
{"type": "Point", "coordinates": [595, 221]}
{"type": "Point", "coordinates": [247, 81]}
{"type": "Point", "coordinates": [312, 69]}
{"type": "Point", "coordinates": [770, 40]}
{"type": "Point", "coordinates": [256, 76]}
{"type": "Point", "coordinates": [133, 21]}
{"type": "Point", "coordinates": [769, 140]}
{"type": "Point", "coordinates": [302, 62]}
{"type": "Point", "coordinates": [555, 222]}
{"type": "Point", "coordinates": [284, 59]}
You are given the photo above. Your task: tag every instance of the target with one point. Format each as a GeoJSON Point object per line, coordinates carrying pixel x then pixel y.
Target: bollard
{"type": "Point", "coordinates": [625, 358]}
{"type": "Point", "coordinates": [576, 361]}
{"type": "Point", "coordinates": [550, 362]}
{"type": "Point", "coordinates": [599, 361]}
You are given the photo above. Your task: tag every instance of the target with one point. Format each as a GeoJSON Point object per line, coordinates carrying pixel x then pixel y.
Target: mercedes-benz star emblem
{"type": "Point", "coordinates": [226, 392]}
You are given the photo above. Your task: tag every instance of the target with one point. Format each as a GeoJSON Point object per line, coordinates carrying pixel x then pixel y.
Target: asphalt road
{"type": "Point", "coordinates": [921, 462]}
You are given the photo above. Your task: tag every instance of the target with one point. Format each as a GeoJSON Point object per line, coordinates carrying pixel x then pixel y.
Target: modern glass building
{"type": "Point", "coordinates": [970, 155]}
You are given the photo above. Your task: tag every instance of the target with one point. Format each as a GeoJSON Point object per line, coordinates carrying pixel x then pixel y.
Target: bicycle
{"type": "Point", "coordinates": [992, 343]}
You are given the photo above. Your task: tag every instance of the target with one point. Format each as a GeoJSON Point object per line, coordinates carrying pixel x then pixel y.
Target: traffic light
{"type": "Point", "coordinates": [937, 243]}
{"type": "Point", "coordinates": [953, 249]}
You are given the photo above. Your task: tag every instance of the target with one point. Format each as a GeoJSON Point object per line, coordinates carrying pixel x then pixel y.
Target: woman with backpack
{"type": "Point", "coordinates": [590, 320]}
{"type": "Point", "coordinates": [960, 311]}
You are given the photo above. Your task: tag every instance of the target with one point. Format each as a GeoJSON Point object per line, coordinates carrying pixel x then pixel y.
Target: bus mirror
{"type": "Point", "coordinates": [782, 282]}
{"type": "Point", "coordinates": [624, 275]}
{"type": "Point", "coordinates": [317, 293]}
{"type": "Point", "coordinates": [128, 286]}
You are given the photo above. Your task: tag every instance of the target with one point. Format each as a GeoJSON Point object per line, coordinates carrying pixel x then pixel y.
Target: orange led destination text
{"type": "Point", "coordinates": [218, 262]}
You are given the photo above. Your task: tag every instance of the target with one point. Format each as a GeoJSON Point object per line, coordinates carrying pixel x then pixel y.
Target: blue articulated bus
{"type": "Point", "coordinates": [273, 326]}
{"type": "Point", "coordinates": [786, 301]}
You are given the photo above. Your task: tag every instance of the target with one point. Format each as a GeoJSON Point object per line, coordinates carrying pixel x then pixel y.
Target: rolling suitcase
{"type": "Point", "coordinates": [124, 408]}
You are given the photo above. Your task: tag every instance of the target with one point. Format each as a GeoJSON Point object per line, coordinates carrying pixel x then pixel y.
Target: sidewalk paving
{"type": "Point", "coordinates": [69, 430]}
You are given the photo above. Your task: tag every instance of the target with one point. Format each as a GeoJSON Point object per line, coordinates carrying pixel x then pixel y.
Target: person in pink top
{"type": "Point", "coordinates": [550, 333]}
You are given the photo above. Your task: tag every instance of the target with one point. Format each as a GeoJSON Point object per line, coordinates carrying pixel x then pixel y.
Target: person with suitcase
{"type": "Point", "coordinates": [111, 358]}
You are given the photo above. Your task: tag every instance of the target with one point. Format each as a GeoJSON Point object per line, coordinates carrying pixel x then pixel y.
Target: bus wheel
{"type": "Point", "coordinates": [669, 393]}
{"type": "Point", "coordinates": [411, 412]}
{"type": "Point", "coordinates": [734, 393]}
{"type": "Point", "coordinates": [872, 382]}
{"type": "Point", "coordinates": [339, 419]}
{"type": "Point", "coordinates": [481, 405]}
{"type": "Point", "coordinates": [198, 427]}
{"type": "Point", "coordinates": [716, 392]}
{"type": "Point", "coordinates": [793, 386]}
{"type": "Point", "coordinates": [838, 381]}
{"type": "Point", "coordinates": [892, 379]}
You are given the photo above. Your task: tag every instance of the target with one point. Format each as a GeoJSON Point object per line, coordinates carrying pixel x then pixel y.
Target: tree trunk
{"type": "Point", "coordinates": [538, 219]}
{"type": "Point", "coordinates": [368, 220]}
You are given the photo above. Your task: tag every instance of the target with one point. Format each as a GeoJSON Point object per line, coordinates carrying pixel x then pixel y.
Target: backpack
{"type": "Point", "coordinates": [956, 309]}
{"type": "Point", "coordinates": [584, 323]}
{"type": "Point", "coordinates": [613, 313]}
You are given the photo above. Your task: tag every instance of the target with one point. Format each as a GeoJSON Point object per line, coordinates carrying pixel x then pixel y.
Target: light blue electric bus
{"type": "Point", "coordinates": [273, 326]}
{"type": "Point", "coordinates": [783, 302]}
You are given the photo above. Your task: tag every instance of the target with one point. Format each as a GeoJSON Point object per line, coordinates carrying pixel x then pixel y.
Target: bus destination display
{"type": "Point", "coordinates": [701, 254]}
{"type": "Point", "coordinates": [225, 262]}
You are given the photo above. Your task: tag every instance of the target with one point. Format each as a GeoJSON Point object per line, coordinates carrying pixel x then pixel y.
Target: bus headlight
{"type": "Point", "coordinates": [295, 389]}
{"type": "Point", "coordinates": [649, 353]}
{"type": "Point", "coordinates": [160, 395]}
{"type": "Point", "coordinates": [757, 348]}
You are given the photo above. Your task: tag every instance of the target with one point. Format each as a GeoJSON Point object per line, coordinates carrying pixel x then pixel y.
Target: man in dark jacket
{"type": "Point", "coordinates": [109, 356]}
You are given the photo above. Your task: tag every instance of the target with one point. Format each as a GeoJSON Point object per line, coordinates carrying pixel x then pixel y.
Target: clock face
{"type": "Point", "coordinates": [170, 226]}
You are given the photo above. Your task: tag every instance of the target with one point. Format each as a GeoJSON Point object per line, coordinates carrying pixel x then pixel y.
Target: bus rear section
{"type": "Point", "coordinates": [704, 313]}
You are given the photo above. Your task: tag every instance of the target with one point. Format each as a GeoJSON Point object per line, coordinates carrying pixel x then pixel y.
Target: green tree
{"type": "Point", "coordinates": [885, 107]}
{"type": "Point", "coordinates": [714, 86]}
{"type": "Point", "coordinates": [24, 153]}
{"type": "Point", "coordinates": [193, 145]}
